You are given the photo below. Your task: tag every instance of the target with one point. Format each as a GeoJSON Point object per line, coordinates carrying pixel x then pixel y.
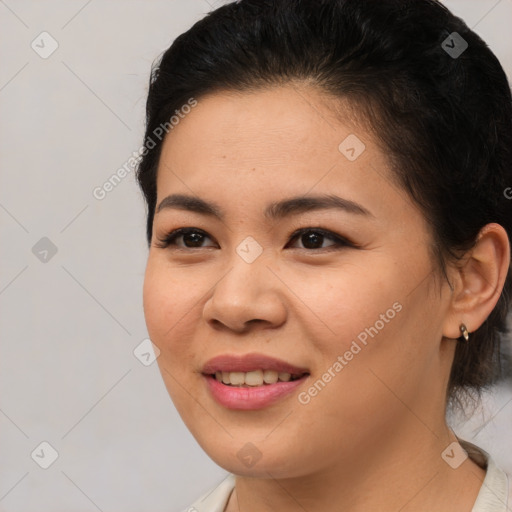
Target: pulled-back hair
{"type": "Point", "coordinates": [443, 118]}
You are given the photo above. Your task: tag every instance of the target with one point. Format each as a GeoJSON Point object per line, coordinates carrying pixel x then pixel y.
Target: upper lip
{"type": "Point", "coordinates": [248, 363]}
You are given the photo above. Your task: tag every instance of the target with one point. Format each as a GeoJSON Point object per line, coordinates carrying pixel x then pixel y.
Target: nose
{"type": "Point", "coordinates": [248, 296]}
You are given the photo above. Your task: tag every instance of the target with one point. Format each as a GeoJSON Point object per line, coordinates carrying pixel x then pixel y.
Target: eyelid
{"type": "Point", "coordinates": [327, 233]}
{"type": "Point", "coordinates": [340, 241]}
{"type": "Point", "coordinates": [165, 241]}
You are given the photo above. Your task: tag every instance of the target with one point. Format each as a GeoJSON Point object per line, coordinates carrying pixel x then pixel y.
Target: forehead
{"type": "Point", "coordinates": [272, 129]}
{"type": "Point", "coordinates": [245, 152]}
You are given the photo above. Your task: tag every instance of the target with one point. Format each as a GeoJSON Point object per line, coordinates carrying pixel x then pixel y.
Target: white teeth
{"type": "Point", "coordinates": [237, 378]}
{"type": "Point", "coordinates": [270, 376]}
{"type": "Point", "coordinates": [253, 378]}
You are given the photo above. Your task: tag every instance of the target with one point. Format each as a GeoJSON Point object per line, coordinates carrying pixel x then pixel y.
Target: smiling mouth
{"type": "Point", "coordinates": [254, 378]}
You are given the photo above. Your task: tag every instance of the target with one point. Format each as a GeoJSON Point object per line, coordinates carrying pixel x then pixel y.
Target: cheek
{"type": "Point", "coordinates": [168, 309]}
{"type": "Point", "coordinates": [168, 303]}
{"type": "Point", "coordinates": [385, 360]}
{"type": "Point", "coordinates": [345, 303]}
{"type": "Point", "coordinates": [360, 320]}
{"type": "Point", "coordinates": [157, 301]}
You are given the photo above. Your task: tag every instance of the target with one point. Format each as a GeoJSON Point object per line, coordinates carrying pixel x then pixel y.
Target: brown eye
{"type": "Point", "coordinates": [192, 238]}
{"type": "Point", "coordinates": [312, 238]}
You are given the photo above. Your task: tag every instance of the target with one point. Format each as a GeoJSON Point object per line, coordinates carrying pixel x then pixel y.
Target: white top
{"type": "Point", "coordinates": [495, 493]}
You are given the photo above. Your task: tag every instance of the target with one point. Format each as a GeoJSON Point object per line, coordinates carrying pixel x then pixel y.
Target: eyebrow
{"type": "Point", "coordinates": [274, 211]}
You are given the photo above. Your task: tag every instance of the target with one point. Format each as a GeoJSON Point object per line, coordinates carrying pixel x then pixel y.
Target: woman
{"type": "Point", "coordinates": [329, 251]}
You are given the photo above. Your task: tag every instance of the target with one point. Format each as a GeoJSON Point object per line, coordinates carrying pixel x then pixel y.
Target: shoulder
{"type": "Point", "coordinates": [496, 491]}
{"type": "Point", "coordinates": [216, 498]}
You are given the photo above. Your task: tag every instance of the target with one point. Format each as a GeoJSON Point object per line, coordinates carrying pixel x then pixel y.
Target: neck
{"type": "Point", "coordinates": [401, 470]}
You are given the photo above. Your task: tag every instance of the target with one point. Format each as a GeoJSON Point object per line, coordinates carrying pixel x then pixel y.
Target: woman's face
{"type": "Point", "coordinates": [361, 318]}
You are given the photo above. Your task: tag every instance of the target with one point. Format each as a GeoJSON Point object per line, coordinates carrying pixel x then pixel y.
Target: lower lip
{"type": "Point", "coordinates": [250, 397]}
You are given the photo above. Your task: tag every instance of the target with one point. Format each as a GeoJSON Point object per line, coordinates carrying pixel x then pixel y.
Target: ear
{"type": "Point", "coordinates": [478, 282]}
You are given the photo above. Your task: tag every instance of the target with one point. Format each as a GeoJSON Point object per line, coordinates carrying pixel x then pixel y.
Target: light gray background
{"type": "Point", "coordinates": [69, 325]}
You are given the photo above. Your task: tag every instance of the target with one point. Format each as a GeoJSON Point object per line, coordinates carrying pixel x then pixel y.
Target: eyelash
{"type": "Point", "coordinates": [340, 242]}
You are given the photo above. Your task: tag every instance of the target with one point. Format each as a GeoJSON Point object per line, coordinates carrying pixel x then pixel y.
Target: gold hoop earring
{"type": "Point", "coordinates": [464, 331]}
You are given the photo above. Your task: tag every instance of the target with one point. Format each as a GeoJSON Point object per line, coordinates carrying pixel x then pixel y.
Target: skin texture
{"type": "Point", "coordinates": [372, 439]}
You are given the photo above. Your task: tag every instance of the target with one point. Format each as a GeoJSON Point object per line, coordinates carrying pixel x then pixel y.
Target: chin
{"type": "Point", "coordinates": [245, 459]}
